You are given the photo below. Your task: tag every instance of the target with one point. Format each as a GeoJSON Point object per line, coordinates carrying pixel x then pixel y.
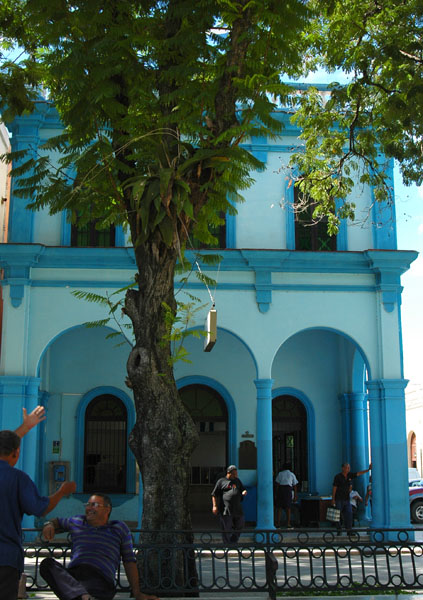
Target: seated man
{"type": "Point", "coordinates": [97, 546]}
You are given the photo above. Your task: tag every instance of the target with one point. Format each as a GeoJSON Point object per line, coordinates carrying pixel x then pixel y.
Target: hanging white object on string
{"type": "Point", "coordinates": [211, 330]}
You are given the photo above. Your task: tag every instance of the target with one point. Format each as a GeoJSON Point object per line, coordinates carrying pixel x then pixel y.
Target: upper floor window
{"type": "Point", "coordinates": [89, 235]}
{"type": "Point", "coordinates": [105, 445]}
{"type": "Point", "coordinates": [310, 234]}
{"type": "Point", "coordinates": [219, 232]}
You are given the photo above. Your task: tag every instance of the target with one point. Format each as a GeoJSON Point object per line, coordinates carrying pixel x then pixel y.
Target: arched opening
{"type": "Point", "coordinates": [289, 426]}
{"type": "Point", "coordinates": [208, 411]}
{"type": "Point", "coordinates": [105, 445]}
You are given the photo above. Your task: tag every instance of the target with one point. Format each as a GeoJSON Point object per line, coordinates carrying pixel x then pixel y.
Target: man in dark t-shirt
{"type": "Point", "coordinates": [226, 499]}
{"type": "Point", "coordinates": [341, 494]}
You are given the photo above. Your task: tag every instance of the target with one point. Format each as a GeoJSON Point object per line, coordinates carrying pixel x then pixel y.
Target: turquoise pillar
{"type": "Point", "coordinates": [42, 479]}
{"type": "Point", "coordinates": [344, 400]}
{"type": "Point", "coordinates": [367, 514]}
{"type": "Point", "coordinates": [390, 502]}
{"type": "Point", "coordinates": [17, 392]}
{"type": "Point", "coordinates": [264, 454]}
{"type": "Point", "coordinates": [359, 458]}
{"type": "Point", "coordinates": [354, 436]}
{"type": "Point", "coordinates": [25, 130]}
{"type": "Point", "coordinates": [359, 449]}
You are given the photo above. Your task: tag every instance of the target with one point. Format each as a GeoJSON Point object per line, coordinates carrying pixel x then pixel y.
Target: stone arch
{"type": "Point", "coordinates": [310, 431]}
{"type": "Point", "coordinates": [80, 433]}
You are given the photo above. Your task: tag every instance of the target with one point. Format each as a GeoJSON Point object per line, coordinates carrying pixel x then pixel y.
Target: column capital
{"type": "Point", "coordinates": [353, 401]}
{"type": "Point", "coordinates": [263, 385]}
{"type": "Point", "coordinates": [386, 387]}
{"type": "Point", "coordinates": [18, 384]}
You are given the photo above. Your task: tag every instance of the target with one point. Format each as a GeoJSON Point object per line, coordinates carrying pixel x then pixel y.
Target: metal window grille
{"type": "Point", "coordinates": [310, 234]}
{"type": "Point", "coordinates": [89, 236]}
{"type": "Point", "coordinates": [105, 445]}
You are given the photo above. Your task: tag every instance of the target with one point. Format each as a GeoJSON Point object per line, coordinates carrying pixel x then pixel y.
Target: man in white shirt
{"type": "Point", "coordinates": [286, 493]}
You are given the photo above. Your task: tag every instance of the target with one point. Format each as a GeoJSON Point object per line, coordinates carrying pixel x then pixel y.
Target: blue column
{"type": "Point", "coordinates": [366, 478]}
{"type": "Point", "coordinates": [359, 451]}
{"type": "Point", "coordinates": [264, 454]}
{"type": "Point", "coordinates": [42, 480]}
{"type": "Point", "coordinates": [359, 460]}
{"type": "Point", "coordinates": [390, 502]}
{"type": "Point", "coordinates": [345, 427]}
{"type": "Point", "coordinates": [15, 393]}
{"type": "Point", "coordinates": [25, 130]}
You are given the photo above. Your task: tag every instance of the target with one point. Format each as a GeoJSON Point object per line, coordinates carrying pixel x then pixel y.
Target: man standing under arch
{"type": "Point", "coordinates": [226, 498]}
{"type": "Point", "coordinates": [341, 494]}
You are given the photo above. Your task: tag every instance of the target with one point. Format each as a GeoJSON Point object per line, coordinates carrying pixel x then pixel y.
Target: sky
{"type": "Point", "coordinates": [409, 213]}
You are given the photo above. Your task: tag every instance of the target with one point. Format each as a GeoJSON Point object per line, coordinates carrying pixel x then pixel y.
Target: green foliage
{"type": "Point", "coordinates": [377, 114]}
{"type": "Point", "coordinates": [155, 98]}
{"type": "Point", "coordinates": [178, 327]}
{"type": "Point", "coordinates": [114, 304]}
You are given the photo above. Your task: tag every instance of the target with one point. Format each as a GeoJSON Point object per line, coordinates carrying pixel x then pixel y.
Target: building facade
{"type": "Point", "coordinates": [307, 367]}
{"type": "Point", "coordinates": [414, 418]}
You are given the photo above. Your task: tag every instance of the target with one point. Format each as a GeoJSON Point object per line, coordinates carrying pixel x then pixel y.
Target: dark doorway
{"type": "Point", "coordinates": [289, 424]}
{"type": "Point", "coordinates": [105, 445]}
{"type": "Point", "coordinates": [209, 460]}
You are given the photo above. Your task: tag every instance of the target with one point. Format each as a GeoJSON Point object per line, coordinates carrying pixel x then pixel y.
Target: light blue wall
{"type": "Point", "coordinates": [91, 360]}
{"type": "Point", "coordinates": [79, 365]}
{"type": "Point", "coordinates": [263, 221]}
{"type": "Point", "coordinates": [287, 321]}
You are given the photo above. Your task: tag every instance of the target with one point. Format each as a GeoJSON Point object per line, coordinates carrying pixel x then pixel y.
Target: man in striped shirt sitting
{"type": "Point", "coordinates": [97, 547]}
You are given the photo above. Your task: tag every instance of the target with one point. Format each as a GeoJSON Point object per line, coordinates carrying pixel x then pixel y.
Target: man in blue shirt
{"type": "Point", "coordinates": [19, 495]}
{"type": "Point", "coordinates": [97, 547]}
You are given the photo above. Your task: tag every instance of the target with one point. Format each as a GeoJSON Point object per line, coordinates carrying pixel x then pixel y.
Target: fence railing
{"type": "Point", "coordinates": [263, 560]}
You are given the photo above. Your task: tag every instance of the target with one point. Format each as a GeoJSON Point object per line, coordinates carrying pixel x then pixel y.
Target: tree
{"type": "Point", "coordinates": [155, 98]}
{"type": "Point", "coordinates": [377, 114]}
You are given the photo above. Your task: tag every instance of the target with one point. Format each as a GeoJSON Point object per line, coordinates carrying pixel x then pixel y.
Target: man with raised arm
{"type": "Point", "coordinates": [19, 495]}
{"type": "Point", "coordinates": [341, 494]}
{"type": "Point", "coordinates": [97, 548]}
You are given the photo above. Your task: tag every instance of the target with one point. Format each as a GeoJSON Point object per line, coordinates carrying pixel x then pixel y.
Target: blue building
{"type": "Point", "coordinates": [307, 367]}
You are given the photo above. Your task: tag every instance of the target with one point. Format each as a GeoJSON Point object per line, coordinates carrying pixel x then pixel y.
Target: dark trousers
{"type": "Point", "coordinates": [346, 513]}
{"type": "Point", "coordinates": [9, 582]}
{"type": "Point", "coordinates": [71, 583]}
{"type": "Point", "coordinates": [231, 527]}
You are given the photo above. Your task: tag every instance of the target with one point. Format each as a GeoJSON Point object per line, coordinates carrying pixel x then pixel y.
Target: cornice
{"type": "Point", "coordinates": [17, 260]}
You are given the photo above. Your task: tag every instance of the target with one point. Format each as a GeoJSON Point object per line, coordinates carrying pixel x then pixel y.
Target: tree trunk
{"type": "Point", "coordinates": [164, 435]}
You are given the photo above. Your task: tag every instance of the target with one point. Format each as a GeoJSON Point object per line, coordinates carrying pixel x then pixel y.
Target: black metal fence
{"type": "Point", "coordinates": [271, 561]}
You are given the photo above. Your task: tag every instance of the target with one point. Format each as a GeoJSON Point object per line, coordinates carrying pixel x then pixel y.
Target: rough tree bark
{"type": "Point", "coordinates": [164, 435]}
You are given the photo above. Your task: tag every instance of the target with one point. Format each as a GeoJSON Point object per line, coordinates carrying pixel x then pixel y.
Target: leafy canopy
{"type": "Point", "coordinates": [155, 98]}
{"type": "Point", "coordinates": [378, 113]}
